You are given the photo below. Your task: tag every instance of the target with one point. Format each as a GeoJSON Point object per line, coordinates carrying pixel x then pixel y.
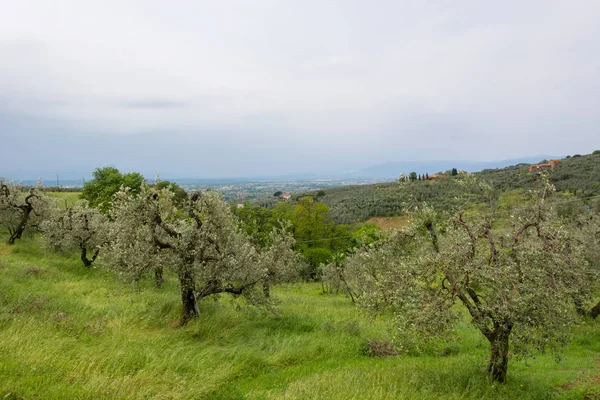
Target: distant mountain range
{"type": "Point", "coordinates": [383, 172]}
{"type": "Point", "coordinates": [394, 169]}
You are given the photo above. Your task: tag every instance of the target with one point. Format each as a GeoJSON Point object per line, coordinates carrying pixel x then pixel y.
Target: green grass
{"type": "Point", "coordinates": [66, 198]}
{"type": "Point", "coordinates": [67, 332]}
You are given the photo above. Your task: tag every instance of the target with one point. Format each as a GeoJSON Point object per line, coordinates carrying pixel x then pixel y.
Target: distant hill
{"type": "Point", "coordinates": [394, 169]}
{"type": "Point", "coordinates": [349, 204]}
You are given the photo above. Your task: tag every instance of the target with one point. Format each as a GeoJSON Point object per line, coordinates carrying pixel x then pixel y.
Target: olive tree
{"type": "Point", "coordinates": [515, 275]}
{"type": "Point", "coordinates": [78, 228]}
{"type": "Point", "coordinates": [21, 208]}
{"type": "Point", "coordinates": [586, 228]}
{"type": "Point", "coordinates": [199, 241]}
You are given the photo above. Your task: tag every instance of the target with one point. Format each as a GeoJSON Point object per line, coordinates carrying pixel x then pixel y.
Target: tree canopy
{"type": "Point", "coordinates": [21, 208]}
{"type": "Point", "coordinates": [107, 181]}
{"type": "Point", "coordinates": [515, 280]}
{"type": "Point", "coordinates": [199, 241]}
{"type": "Point", "coordinates": [78, 228]}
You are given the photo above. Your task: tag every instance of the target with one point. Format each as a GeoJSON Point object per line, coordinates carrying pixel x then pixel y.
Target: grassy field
{"type": "Point", "coordinates": [66, 198]}
{"type": "Point", "coordinates": [67, 332]}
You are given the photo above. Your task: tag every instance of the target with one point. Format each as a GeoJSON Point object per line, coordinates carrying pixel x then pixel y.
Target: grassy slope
{"type": "Point", "coordinates": [69, 332]}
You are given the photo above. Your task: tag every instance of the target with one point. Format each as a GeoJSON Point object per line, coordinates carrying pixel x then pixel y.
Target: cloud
{"type": "Point", "coordinates": [324, 82]}
{"type": "Point", "coordinates": [153, 104]}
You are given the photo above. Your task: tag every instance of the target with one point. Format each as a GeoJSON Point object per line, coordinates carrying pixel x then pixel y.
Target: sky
{"type": "Point", "coordinates": [272, 87]}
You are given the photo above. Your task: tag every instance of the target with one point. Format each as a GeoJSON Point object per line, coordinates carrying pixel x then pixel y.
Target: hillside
{"type": "Point", "coordinates": [74, 333]}
{"type": "Point", "coordinates": [579, 174]}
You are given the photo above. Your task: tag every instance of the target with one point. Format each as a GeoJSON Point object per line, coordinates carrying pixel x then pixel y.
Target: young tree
{"type": "Point", "coordinates": [21, 209]}
{"type": "Point", "coordinates": [257, 222]}
{"type": "Point", "coordinates": [412, 176]}
{"type": "Point", "coordinates": [313, 229]}
{"type": "Point", "coordinates": [515, 282]}
{"type": "Point", "coordinates": [200, 242]}
{"type": "Point", "coordinates": [281, 263]}
{"type": "Point", "coordinates": [108, 181]}
{"type": "Point", "coordinates": [78, 228]}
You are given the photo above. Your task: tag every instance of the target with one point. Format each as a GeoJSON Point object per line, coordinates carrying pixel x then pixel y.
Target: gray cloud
{"type": "Point", "coordinates": [241, 87]}
{"type": "Point", "coordinates": [153, 104]}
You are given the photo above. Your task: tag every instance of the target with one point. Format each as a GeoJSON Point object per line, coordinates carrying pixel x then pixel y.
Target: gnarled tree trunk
{"type": "Point", "coordinates": [86, 261]}
{"type": "Point", "coordinates": [158, 277]}
{"type": "Point", "coordinates": [18, 231]}
{"type": "Point", "coordinates": [498, 364]}
{"type": "Point", "coordinates": [595, 311]}
{"type": "Point", "coordinates": [188, 296]}
{"type": "Point", "coordinates": [579, 306]}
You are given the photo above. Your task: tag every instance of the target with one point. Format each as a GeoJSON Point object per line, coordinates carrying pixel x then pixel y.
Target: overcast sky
{"type": "Point", "coordinates": [241, 88]}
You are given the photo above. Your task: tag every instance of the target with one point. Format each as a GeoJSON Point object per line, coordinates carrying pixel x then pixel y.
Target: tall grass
{"type": "Point", "coordinates": [67, 332]}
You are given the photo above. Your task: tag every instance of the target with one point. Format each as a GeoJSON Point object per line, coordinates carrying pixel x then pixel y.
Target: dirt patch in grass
{"type": "Point", "coordinates": [387, 223]}
{"type": "Point", "coordinates": [5, 249]}
{"type": "Point", "coordinates": [29, 305]}
{"type": "Point", "coordinates": [380, 348]}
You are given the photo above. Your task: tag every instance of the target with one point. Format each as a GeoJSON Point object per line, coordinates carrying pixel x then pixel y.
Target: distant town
{"type": "Point", "coordinates": [241, 189]}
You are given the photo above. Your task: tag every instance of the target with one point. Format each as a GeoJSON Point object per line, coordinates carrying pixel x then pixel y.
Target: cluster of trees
{"type": "Point", "coordinates": [414, 177]}
{"type": "Point", "coordinates": [578, 174]}
{"type": "Point", "coordinates": [318, 238]}
{"type": "Point", "coordinates": [355, 204]}
{"type": "Point", "coordinates": [140, 231]}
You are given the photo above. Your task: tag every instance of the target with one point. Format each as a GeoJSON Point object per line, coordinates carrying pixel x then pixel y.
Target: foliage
{"type": "Point", "coordinates": [22, 209]}
{"type": "Point", "coordinates": [258, 223]}
{"type": "Point", "coordinates": [79, 228]}
{"type": "Point", "coordinates": [180, 195]}
{"type": "Point", "coordinates": [515, 283]}
{"type": "Point", "coordinates": [318, 238]}
{"type": "Point", "coordinates": [107, 181]}
{"type": "Point", "coordinates": [200, 242]}
{"type": "Point", "coordinates": [578, 174]}
{"type": "Point", "coordinates": [585, 225]}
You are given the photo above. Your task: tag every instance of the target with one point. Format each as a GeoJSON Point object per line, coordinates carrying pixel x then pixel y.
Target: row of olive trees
{"type": "Point", "coordinates": [200, 241]}
{"type": "Point", "coordinates": [147, 230]}
{"type": "Point", "coordinates": [517, 274]}
{"type": "Point", "coordinates": [196, 238]}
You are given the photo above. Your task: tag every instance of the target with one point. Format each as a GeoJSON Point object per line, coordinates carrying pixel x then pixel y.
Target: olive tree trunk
{"type": "Point", "coordinates": [595, 311]}
{"type": "Point", "coordinates": [188, 296]}
{"type": "Point", "coordinates": [158, 277]}
{"type": "Point", "coordinates": [88, 261]}
{"type": "Point", "coordinates": [266, 290]}
{"type": "Point", "coordinates": [498, 364]}
{"type": "Point", "coordinates": [18, 231]}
